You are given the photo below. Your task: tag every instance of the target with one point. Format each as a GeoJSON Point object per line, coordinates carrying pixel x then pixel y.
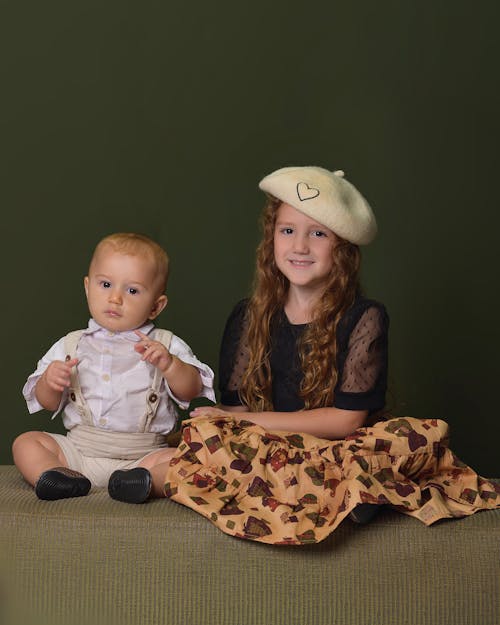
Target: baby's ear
{"type": "Point", "coordinates": [158, 306]}
{"type": "Point", "coordinates": [86, 285]}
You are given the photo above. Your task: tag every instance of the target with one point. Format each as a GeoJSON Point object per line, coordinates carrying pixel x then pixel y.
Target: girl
{"type": "Point", "coordinates": [298, 444]}
{"type": "Point", "coordinates": [317, 344]}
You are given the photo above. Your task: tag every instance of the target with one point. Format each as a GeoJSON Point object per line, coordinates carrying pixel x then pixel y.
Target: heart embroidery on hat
{"type": "Point", "coordinates": [305, 192]}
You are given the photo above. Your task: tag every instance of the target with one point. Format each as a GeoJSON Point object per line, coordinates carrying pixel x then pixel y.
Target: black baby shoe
{"type": "Point", "coordinates": [61, 483]}
{"type": "Point", "coordinates": [132, 485]}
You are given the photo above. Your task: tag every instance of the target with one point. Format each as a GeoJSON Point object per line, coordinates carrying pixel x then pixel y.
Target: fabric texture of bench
{"type": "Point", "coordinates": [93, 560]}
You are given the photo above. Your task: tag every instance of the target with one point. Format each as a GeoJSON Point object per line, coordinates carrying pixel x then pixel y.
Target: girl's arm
{"type": "Point", "coordinates": [364, 375]}
{"type": "Point", "coordinates": [329, 423]}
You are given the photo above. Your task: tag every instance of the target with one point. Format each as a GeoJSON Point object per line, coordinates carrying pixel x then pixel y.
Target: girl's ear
{"type": "Point", "coordinates": [158, 306]}
{"type": "Point", "coordinates": [86, 285]}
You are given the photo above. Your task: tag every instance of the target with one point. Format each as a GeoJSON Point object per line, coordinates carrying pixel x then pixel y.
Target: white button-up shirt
{"type": "Point", "coordinates": [114, 381]}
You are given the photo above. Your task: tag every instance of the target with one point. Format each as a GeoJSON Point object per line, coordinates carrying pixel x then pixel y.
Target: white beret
{"type": "Point", "coordinates": [327, 197]}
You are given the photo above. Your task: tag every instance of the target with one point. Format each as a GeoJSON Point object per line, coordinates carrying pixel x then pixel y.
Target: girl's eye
{"type": "Point", "coordinates": [286, 230]}
{"type": "Point", "coordinates": [318, 233]}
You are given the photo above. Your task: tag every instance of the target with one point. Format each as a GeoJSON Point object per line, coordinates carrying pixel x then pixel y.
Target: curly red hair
{"type": "Point", "coordinates": [318, 346]}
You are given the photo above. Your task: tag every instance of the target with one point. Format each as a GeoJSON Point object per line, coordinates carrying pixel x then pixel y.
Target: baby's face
{"type": "Point", "coordinates": [122, 290]}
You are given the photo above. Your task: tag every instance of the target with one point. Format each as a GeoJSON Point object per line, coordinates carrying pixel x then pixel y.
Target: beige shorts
{"type": "Point", "coordinates": [97, 470]}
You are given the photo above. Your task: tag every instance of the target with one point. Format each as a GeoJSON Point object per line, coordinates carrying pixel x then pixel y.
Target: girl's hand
{"type": "Point", "coordinates": [210, 411]}
{"type": "Point", "coordinates": [57, 375]}
{"type": "Point", "coordinates": [153, 352]}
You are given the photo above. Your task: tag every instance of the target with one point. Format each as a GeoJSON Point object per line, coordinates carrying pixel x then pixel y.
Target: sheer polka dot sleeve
{"type": "Point", "coordinates": [233, 357]}
{"type": "Point", "coordinates": [363, 363]}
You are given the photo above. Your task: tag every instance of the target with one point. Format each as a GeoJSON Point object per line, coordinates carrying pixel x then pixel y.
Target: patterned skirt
{"type": "Point", "coordinates": [293, 489]}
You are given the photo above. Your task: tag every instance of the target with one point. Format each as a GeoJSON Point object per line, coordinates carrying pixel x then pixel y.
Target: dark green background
{"type": "Point", "coordinates": [161, 117]}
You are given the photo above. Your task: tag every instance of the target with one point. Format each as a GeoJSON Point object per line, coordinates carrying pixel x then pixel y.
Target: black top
{"type": "Point", "coordinates": [361, 359]}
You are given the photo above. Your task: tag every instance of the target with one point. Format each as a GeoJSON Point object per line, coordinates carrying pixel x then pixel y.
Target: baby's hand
{"type": "Point", "coordinates": [153, 351]}
{"type": "Point", "coordinates": [57, 375]}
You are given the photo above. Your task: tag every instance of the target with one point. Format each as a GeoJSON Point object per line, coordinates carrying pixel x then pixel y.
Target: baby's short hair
{"type": "Point", "coordinates": [136, 244]}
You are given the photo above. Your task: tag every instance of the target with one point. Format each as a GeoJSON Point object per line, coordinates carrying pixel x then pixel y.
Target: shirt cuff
{"type": "Point", "coordinates": [359, 401]}
{"type": "Point", "coordinates": [29, 394]}
{"type": "Point", "coordinates": [230, 398]}
{"type": "Point", "coordinates": [207, 379]}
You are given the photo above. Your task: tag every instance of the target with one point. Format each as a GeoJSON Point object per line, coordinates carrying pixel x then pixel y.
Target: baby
{"type": "Point", "coordinates": [117, 382]}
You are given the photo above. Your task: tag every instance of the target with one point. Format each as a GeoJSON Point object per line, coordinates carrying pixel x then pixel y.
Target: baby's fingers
{"type": "Point", "coordinates": [141, 335]}
{"type": "Point", "coordinates": [58, 381]}
{"type": "Point", "coordinates": [58, 387]}
{"type": "Point", "coordinates": [152, 352]}
{"type": "Point", "coordinates": [58, 374]}
{"type": "Point", "coordinates": [144, 344]}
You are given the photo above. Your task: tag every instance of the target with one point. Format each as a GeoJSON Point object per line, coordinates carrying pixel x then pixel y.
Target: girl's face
{"type": "Point", "coordinates": [303, 249]}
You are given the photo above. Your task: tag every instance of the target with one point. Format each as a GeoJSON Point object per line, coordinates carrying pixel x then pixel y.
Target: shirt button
{"type": "Point", "coordinates": [73, 397]}
{"type": "Point", "coordinates": [153, 397]}
{"type": "Point", "coordinates": [105, 377]}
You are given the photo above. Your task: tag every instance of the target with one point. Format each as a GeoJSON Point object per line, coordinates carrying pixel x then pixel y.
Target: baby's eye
{"type": "Point", "coordinates": [105, 284]}
{"type": "Point", "coordinates": [133, 291]}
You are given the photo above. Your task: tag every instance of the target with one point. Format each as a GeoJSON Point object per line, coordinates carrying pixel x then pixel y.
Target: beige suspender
{"type": "Point", "coordinates": [75, 392]}
{"type": "Point", "coordinates": [153, 393]}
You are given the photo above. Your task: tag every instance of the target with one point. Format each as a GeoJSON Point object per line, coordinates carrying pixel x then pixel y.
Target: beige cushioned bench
{"type": "Point", "coordinates": [93, 561]}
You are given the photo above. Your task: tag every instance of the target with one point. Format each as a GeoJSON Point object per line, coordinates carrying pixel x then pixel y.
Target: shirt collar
{"type": "Point", "coordinates": [128, 335]}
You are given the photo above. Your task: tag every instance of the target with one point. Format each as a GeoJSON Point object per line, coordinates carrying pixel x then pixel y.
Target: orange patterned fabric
{"type": "Point", "coordinates": [285, 488]}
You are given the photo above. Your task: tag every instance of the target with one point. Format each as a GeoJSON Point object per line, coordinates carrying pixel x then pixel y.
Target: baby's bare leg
{"type": "Point", "coordinates": [157, 464]}
{"type": "Point", "coordinates": [36, 452]}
